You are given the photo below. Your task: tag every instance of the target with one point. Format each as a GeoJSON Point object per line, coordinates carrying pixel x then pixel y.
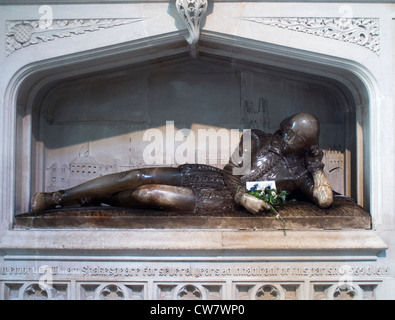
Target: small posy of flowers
{"type": "Point", "coordinates": [273, 198]}
{"type": "Point", "coordinates": [270, 195]}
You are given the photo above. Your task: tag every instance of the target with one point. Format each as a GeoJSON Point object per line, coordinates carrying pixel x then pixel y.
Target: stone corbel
{"type": "Point", "coordinates": [192, 12]}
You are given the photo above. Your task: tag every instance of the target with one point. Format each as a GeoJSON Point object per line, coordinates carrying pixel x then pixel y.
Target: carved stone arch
{"type": "Point", "coordinates": [188, 291]}
{"type": "Point", "coordinates": [111, 291]}
{"type": "Point", "coordinates": [345, 291]}
{"type": "Point", "coordinates": [35, 291]}
{"type": "Point", "coordinates": [268, 291]}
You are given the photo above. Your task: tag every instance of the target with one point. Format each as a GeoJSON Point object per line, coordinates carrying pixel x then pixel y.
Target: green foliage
{"type": "Point", "coordinates": [272, 197]}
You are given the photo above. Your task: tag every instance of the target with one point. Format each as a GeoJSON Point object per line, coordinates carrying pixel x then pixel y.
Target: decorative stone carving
{"type": "Point", "coordinates": [364, 32]}
{"type": "Point", "coordinates": [191, 11]}
{"type": "Point", "coordinates": [189, 291]}
{"type": "Point", "coordinates": [35, 291]}
{"type": "Point", "coordinates": [20, 34]}
{"type": "Point", "coordinates": [238, 288]}
{"type": "Point", "coordinates": [343, 291]}
{"type": "Point", "coordinates": [111, 291]}
{"type": "Point", "coordinates": [268, 292]}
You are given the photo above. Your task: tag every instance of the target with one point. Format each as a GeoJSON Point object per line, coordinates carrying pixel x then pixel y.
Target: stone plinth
{"type": "Point", "coordinates": [182, 264]}
{"type": "Point", "coordinates": [298, 215]}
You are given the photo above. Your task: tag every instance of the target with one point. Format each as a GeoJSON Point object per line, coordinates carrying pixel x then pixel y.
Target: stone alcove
{"type": "Point", "coordinates": [85, 115]}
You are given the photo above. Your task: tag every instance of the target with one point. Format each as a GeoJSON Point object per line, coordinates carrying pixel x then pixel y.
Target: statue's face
{"type": "Point", "coordinates": [299, 133]}
{"type": "Point", "coordinates": [292, 142]}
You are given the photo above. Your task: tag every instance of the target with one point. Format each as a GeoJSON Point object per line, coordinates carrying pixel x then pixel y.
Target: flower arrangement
{"type": "Point", "coordinates": [273, 198]}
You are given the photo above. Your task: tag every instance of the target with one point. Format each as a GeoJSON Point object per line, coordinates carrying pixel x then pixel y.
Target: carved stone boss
{"type": "Point", "coordinates": [364, 32]}
{"type": "Point", "coordinates": [20, 34]}
{"type": "Point", "coordinates": [192, 11]}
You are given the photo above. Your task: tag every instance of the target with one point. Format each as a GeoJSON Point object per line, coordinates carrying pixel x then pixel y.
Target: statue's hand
{"type": "Point", "coordinates": [314, 160]}
{"type": "Point", "coordinates": [251, 203]}
{"type": "Point", "coordinates": [322, 192]}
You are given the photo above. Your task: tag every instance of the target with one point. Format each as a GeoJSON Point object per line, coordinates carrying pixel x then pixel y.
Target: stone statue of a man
{"type": "Point", "coordinates": [291, 157]}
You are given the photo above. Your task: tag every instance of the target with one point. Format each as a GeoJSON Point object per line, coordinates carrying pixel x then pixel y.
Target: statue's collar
{"type": "Point", "coordinates": [275, 147]}
{"type": "Point", "coordinates": [275, 143]}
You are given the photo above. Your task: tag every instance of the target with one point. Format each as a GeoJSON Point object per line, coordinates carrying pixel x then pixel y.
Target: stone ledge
{"type": "Point", "coordinates": [344, 214]}
{"type": "Point", "coordinates": [359, 242]}
{"type": "Point", "coordinates": [343, 229]}
{"type": "Point", "coordinates": [96, 219]}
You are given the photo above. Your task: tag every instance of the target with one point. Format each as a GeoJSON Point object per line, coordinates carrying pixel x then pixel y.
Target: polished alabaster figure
{"type": "Point", "coordinates": [291, 157]}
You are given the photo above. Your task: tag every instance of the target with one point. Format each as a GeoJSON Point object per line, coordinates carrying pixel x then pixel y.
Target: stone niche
{"type": "Point", "coordinates": [104, 122]}
{"type": "Point", "coordinates": [95, 124]}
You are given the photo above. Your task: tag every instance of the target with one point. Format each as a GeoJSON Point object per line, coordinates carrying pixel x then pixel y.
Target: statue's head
{"type": "Point", "coordinates": [300, 133]}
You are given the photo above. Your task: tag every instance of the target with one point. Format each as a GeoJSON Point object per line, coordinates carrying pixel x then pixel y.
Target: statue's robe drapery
{"type": "Point", "coordinates": [214, 188]}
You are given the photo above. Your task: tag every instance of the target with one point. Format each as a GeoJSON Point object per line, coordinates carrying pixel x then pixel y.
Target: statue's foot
{"type": "Point", "coordinates": [42, 201]}
{"type": "Point", "coordinates": [38, 202]}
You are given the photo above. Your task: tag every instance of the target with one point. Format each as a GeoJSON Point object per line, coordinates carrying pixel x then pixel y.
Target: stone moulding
{"type": "Point", "coordinates": [299, 215]}
{"type": "Point", "coordinates": [364, 32]}
{"type": "Point", "coordinates": [23, 33]}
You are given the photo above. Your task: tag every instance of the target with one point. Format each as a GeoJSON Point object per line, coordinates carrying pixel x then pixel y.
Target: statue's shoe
{"type": "Point", "coordinates": [38, 202]}
{"type": "Point", "coordinates": [42, 201]}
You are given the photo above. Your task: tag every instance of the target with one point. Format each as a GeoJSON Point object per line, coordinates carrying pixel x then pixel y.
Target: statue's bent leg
{"type": "Point", "coordinates": [156, 196]}
{"type": "Point", "coordinates": [103, 187]}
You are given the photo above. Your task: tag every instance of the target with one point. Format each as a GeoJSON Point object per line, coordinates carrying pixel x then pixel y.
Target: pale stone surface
{"type": "Point", "coordinates": [366, 241]}
{"type": "Point", "coordinates": [359, 78]}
